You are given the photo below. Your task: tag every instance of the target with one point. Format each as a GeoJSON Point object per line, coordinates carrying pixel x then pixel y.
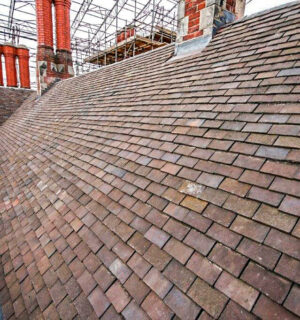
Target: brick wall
{"type": "Point", "coordinates": [10, 100]}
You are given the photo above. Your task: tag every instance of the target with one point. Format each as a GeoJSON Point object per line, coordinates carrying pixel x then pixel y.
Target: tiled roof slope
{"type": "Point", "coordinates": [162, 190]}
{"type": "Point", "coordinates": [10, 100]}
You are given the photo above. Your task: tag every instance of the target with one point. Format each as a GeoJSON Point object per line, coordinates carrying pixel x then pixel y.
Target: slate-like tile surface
{"type": "Point", "coordinates": [156, 189]}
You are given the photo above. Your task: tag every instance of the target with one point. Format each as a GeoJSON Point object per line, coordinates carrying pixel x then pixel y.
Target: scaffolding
{"type": "Point", "coordinates": [95, 27]}
{"type": "Point", "coordinates": [133, 40]}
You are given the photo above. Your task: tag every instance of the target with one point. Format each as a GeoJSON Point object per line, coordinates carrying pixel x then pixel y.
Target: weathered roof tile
{"type": "Point", "coordinates": [159, 190]}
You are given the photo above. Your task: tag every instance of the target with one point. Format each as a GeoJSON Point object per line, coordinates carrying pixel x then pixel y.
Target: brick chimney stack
{"type": "Point", "coordinates": [1, 72]}
{"type": "Point", "coordinates": [203, 17]}
{"type": "Point", "coordinates": [63, 38]}
{"type": "Point", "coordinates": [53, 65]}
{"type": "Point", "coordinates": [125, 33]}
{"type": "Point", "coordinates": [9, 52]}
{"type": "Point", "coordinates": [44, 23]}
{"type": "Point", "coordinates": [62, 14]}
{"type": "Point", "coordinates": [23, 55]}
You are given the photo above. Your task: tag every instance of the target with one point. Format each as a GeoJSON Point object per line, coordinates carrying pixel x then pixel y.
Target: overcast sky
{"type": "Point", "coordinates": [259, 5]}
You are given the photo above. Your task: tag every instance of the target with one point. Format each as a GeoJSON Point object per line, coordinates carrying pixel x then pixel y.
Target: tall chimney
{"type": "Point", "coordinates": [62, 14]}
{"type": "Point", "coordinates": [52, 66]}
{"type": "Point", "coordinates": [203, 17]}
{"type": "Point", "coordinates": [45, 52]}
{"type": "Point", "coordinates": [44, 23]}
{"type": "Point", "coordinates": [1, 73]}
{"type": "Point", "coordinates": [9, 51]}
{"type": "Point", "coordinates": [63, 38]}
{"type": "Point", "coordinates": [23, 54]}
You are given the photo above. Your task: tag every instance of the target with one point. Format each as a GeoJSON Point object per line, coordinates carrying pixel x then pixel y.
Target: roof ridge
{"type": "Point", "coordinates": [122, 61]}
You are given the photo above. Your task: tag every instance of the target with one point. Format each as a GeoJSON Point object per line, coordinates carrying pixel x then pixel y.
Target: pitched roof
{"type": "Point", "coordinates": [10, 100]}
{"type": "Point", "coordinates": [150, 188]}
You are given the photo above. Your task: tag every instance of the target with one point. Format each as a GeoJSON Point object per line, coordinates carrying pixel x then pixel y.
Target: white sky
{"type": "Point", "coordinates": [259, 5]}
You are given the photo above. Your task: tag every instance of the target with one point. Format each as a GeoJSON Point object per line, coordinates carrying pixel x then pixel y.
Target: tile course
{"type": "Point", "coordinates": [157, 189]}
{"type": "Point", "coordinates": [10, 100]}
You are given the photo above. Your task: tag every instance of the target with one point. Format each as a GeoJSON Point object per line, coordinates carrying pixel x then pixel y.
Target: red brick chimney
{"type": "Point", "coordinates": [125, 33]}
{"type": "Point", "coordinates": [62, 14]}
{"type": "Point", "coordinates": [23, 55]}
{"type": "Point", "coordinates": [45, 53]}
{"type": "Point", "coordinates": [53, 65]}
{"type": "Point", "coordinates": [203, 17]}
{"type": "Point", "coordinates": [9, 51]}
{"type": "Point", "coordinates": [44, 23]}
{"type": "Point", "coordinates": [1, 73]}
{"type": "Point", "coordinates": [63, 38]}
